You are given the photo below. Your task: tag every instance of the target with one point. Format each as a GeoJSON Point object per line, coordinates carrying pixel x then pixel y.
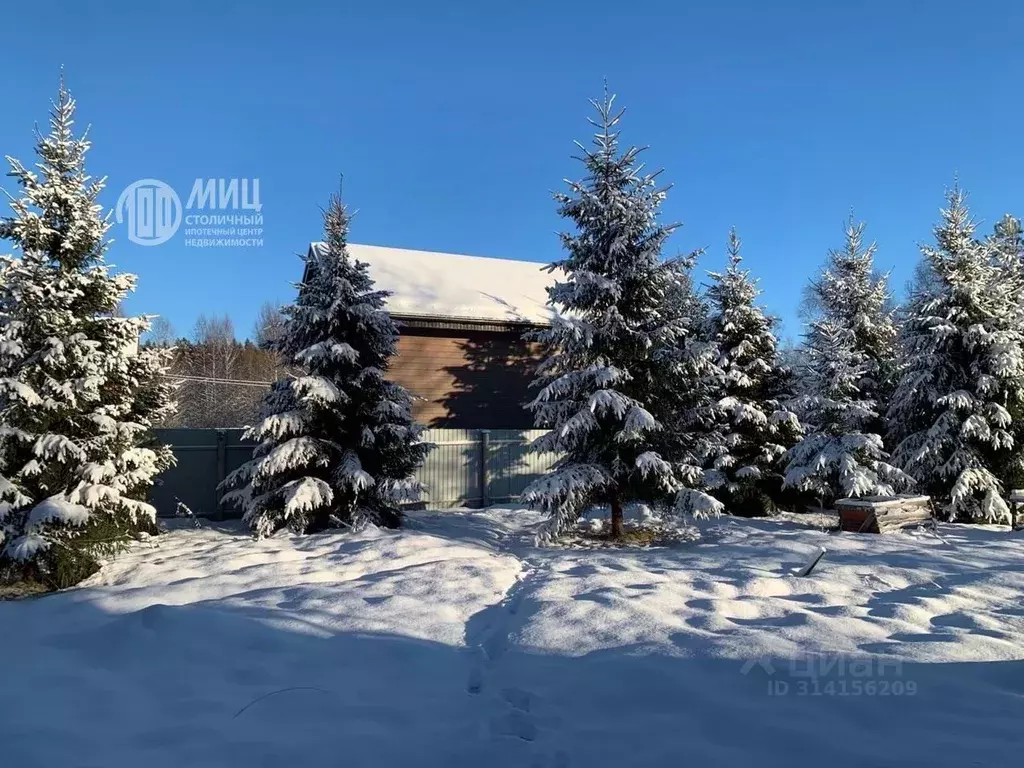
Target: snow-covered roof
{"type": "Point", "coordinates": [456, 287]}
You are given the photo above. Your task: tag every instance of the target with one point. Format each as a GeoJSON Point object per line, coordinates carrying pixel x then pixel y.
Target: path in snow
{"type": "Point", "coordinates": [487, 634]}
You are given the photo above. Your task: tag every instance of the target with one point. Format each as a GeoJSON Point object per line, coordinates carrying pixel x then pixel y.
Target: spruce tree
{"type": "Point", "coordinates": [852, 294]}
{"type": "Point", "coordinates": [848, 360]}
{"type": "Point", "coordinates": [598, 385]}
{"type": "Point", "coordinates": [956, 410]}
{"type": "Point", "coordinates": [839, 457]}
{"type": "Point", "coordinates": [77, 394]}
{"type": "Point", "coordinates": [754, 428]}
{"type": "Point", "coordinates": [685, 391]}
{"type": "Point", "coordinates": [338, 445]}
{"type": "Point", "coordinates": [1007, 245]}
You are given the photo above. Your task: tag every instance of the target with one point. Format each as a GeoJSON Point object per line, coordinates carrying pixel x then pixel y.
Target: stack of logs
{"type": "Point", "coordinates": [882, 514]}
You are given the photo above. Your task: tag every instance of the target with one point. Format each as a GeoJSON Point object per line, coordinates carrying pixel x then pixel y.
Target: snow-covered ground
{"type": "Point", "coordinates": [455, 642]}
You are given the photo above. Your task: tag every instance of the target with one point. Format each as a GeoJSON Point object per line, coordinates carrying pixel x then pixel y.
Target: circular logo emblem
{"type": "Point", "coordinates": [152, 210]}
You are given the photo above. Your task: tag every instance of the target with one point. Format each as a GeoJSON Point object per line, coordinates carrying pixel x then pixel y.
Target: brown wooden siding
{"type": "Point", "coordinates": [467, 379]}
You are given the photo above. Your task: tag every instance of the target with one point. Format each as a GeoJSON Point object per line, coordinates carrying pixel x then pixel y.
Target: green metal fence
{"type": "Point", "coordinates": [467, 467]}
{"type": "Point", "coordinates": [478, 467]}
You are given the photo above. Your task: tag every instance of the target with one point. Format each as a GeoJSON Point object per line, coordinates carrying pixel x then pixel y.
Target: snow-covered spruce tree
{"type": "Point", "coordinates": [77, 395]}
{"type": "Point", "coordinates": [962, 381]}
{"type": "Point", "coordinates": [848, 360]}
{"type": "Point", "coordinates": [338, 445]}
{"type": "Point", "coordinates": [838, 457]}
{"type": "Point", "coordinates": [852, 294]}
{"type": "Point", "coordinates": [1007, 245]}
{"type": "Point", "coordinates": [598, 383]}
{"type": "Point", "coordinates": [755, 430]}
{"type": "Point", "coordinates": [685, 391]}
{"type": "Point", "coordinates": [1008, 236]}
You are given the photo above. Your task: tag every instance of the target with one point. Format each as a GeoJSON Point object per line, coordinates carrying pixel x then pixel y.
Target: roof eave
{"type": "Point", "coordinates": [454, 322]}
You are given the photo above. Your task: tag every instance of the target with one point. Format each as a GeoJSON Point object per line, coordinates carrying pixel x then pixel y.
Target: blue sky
{"type": "Point", "coordinates": [453, 122]}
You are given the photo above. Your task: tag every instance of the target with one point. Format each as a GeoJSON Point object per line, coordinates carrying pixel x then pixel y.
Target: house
{"type": "Point", "coordinates": [461, 321]}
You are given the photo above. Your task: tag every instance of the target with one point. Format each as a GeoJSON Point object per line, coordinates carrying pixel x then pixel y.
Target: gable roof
{"type": "Point", "coordinates": [447, 286]}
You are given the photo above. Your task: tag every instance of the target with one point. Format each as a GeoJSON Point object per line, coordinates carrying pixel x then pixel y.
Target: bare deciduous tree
{"type": "Point", "coordinates": [223, 380]}
{"type": "Point", "coordinates": [161, 333]}
{"type": "Point", "coordinates": [269, 325]}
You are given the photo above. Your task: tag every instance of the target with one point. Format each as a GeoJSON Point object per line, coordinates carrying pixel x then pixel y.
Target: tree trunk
{"type": "Point", "coordinates": [617, 529]}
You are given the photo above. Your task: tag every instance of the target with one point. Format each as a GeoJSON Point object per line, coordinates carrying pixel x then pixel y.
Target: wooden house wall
{"type": "Point", "coordinates": [467, 379]}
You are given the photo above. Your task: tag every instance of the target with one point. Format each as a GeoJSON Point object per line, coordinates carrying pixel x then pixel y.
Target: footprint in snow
{"type": "Point", "coordinates": [515, 723]}
{"type": "Point", "coordinates": [517, 698]}
{"type": "Point", "coordinates": [475, 683]}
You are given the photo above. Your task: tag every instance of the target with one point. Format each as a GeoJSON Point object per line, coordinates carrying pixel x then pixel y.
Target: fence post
{"type": "Point", "coordinates": [222, 464]}
{"type": "Point", "coordinates": [485, 451]}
